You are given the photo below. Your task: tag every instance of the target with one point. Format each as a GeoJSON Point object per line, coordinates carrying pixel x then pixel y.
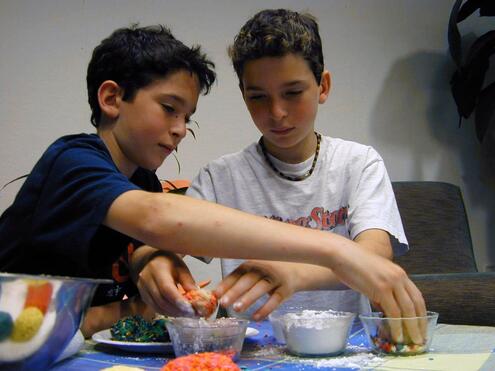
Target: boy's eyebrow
{"type": "Point", "coordinates": [285, 85]}
{"type": "Point", "coordinates": [177, 98]}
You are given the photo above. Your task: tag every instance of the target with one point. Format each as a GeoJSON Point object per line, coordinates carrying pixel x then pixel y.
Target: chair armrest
{"type": "Point", "coordinates": [459, 298]}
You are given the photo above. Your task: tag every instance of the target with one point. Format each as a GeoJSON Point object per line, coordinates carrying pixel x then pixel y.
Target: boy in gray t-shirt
{"type": "Point", "coordinates": [296, 175]}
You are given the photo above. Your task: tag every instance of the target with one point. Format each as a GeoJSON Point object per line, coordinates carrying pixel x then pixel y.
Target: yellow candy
{"type": "Point", "coordinates": [27, 324]}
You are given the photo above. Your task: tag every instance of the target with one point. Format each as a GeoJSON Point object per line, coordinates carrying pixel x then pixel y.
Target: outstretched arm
{"type": "Point", "coordinates": [195, 227]}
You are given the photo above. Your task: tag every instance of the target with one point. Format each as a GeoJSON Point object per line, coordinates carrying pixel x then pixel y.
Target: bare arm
{"type": "Point", "coordinates": [377, 241]}
{"type": "Point", "coordinates": [195, 227]}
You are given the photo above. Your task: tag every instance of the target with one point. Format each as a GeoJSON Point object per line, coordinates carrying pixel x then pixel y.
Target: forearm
{"type": "Point", "coordinates": [194, 227]}
{"type": "Point", "coordinates": [376, 241]}
{"type": "Point", "coordinates": [314, 277]}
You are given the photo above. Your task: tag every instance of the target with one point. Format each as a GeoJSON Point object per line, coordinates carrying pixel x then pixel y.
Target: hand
{"type": "Point", "coordinates": [254, 278]}
{"type": "Point", "coordinates": [158, 278]}
{"type": "Point", "coordinates": [387, 286]}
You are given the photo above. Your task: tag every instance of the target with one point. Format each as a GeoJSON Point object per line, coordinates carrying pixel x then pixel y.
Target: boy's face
{"type": "Point", "coordinates": [282, 96]}
{"type": "Point", "coordinates": [151, 125]}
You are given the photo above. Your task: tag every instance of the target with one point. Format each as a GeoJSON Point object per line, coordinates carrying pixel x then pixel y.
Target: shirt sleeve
{"type": "Point", "coordinates": [79, 188]}
{"type": "Point", "coordinates": [372, 204]}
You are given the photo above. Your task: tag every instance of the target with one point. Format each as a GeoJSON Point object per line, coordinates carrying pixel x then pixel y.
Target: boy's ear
{"type": "Point", "coordinates": [325, 85]}
{"type": "Point", "coordinates": [109, 98]}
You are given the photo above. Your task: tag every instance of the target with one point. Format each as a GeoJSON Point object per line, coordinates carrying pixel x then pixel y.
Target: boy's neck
{"type": "Point", "coordinates": [118, 157]}
{"type": "Point", "coordinates": [295, 154]}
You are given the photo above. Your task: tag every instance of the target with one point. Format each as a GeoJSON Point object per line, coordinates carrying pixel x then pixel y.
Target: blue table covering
{"type": "Point", "coordinates": [454, 348]}
{"type": "Point", "coordinates": [260, 352]}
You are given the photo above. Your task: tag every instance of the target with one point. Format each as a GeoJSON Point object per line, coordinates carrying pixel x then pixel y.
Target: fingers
{"type": "Point", "coordinates": [185, 278]}
{"type": "Point", "coordinates": [245, 291]}
{"type": "Point", "coordinates": [162, 307]}
{"type": "Point", "coordinates": [391, 309]}
{"type": "Point", "coordinates": [225, 285]}
{"type": "Point", "coordinates": [249, 296]}
{"type": "Point", "coordinates": [204, 283]}
{"type": "Point", "coordinates": [406, 301]}
{"type": "Point", "coordinates": [420, 309]}
{"type": "Point", "coordinates": [161, 303]}
{"type": "Point", "coordinates": [275, 299]}
{"type": "Point", "coordinates": [157, 286]}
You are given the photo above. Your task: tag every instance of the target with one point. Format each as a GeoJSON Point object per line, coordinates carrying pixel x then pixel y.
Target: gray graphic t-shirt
{"type": "Point", "coordinates": [348, 193]}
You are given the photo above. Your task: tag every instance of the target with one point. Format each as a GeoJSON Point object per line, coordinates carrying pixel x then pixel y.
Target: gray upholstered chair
{"type": "Point", "coordinates": [441, 260]}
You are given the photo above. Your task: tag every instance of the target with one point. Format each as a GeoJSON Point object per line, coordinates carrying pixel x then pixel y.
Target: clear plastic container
{"type": "Point", "coordinates": [196, 335]}
{"type": "Point", "coordinates": [378, 329]}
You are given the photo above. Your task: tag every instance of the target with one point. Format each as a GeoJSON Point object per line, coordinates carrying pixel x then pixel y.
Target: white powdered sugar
{"type": "Point", "coordinates": [316, 333]}
{"type": "Point", "coordinates": [355, 357]}
{"type": "Point", "coordinates": [358, 361]}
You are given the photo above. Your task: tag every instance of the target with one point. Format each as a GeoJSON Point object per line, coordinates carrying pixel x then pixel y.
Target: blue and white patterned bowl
{"type": "Point", "coordinates": [39, 315]}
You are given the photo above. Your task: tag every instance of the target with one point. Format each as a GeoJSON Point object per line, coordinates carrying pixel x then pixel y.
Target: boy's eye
{"type": "Point", "coordinates": [256, 97]}
{"type": "Point", "coordinates": [168, 108]}
{"type": "Point", "coordinates": [293, 93]}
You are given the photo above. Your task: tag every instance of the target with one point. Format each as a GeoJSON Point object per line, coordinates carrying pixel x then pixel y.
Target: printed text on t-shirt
{"type": "Point", "coordinates": [319, 218]}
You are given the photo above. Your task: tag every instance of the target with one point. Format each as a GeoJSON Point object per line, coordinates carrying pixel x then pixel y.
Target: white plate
{"type": "Point", "coordinates": [251, 332]}
{"type": "Point", "coordinates": [105, 337]}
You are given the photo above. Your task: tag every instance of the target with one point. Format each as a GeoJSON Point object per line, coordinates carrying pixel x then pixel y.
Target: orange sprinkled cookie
{"type": "Point", "coordinates": [201, 362]}
{"type": "Point", "coordinates": [203, 302]}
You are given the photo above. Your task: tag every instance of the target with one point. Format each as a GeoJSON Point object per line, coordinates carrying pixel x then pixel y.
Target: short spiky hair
{"type": "Point", "coordinates": [275, 33]}
{"type": "Point", "coordinates": [134, 57]}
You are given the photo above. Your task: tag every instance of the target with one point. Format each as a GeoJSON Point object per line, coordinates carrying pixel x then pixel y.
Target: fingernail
{"type": "Point", "coordinates": [237, 306]}
{"type": "Point", "coordinates": [224, 301]}
{"type": "Point", "coordinates": [185, 307]}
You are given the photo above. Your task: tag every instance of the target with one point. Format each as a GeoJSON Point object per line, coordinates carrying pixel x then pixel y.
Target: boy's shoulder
{"type": "Point", "coordinates": [74, 145]}
{"type": "Point", "coordinates": [236, 158]}
{"type": "Point", "coordinates": [343, 147]}
{"type": "Point", "coordinates": [77, 141]}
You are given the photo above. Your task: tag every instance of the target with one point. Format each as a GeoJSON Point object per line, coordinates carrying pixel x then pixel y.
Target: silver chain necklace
{"type": "Point", "coordinates": [289, 177]}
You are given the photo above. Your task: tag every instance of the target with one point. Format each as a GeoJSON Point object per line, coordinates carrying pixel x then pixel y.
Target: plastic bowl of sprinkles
{"type": "Point", "coordinates": [378, 329]}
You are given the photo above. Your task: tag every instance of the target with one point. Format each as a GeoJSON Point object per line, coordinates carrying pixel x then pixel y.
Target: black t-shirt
{"type": "Point", "coordinates": [55, 225]}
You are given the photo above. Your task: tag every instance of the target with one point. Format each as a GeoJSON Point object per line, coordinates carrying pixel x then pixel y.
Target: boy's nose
{"type": "Point", "coordinates": [179, 128]}
{"type": "Point", "coordinates": [277, 110]}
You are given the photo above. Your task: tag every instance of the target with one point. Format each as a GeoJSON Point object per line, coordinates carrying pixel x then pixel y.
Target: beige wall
{"type": "Point", "coordinates": [389, 61]}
